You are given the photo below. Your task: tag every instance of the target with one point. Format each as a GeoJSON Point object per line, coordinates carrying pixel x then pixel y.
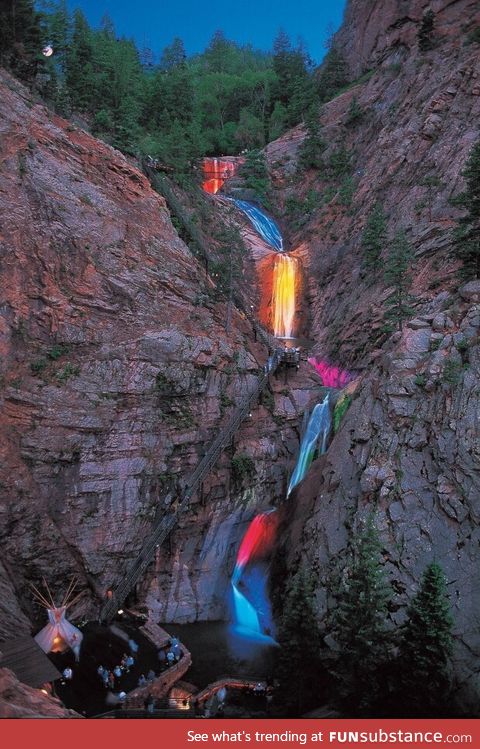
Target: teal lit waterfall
{"type": "Point", "coordinates": [315, 436]}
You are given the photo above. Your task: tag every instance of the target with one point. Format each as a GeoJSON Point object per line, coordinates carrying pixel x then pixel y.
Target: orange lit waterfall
{"type": "Point", "coordinates": [283, 295]}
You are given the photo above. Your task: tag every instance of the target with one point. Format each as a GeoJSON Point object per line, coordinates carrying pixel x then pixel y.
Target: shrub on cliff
{"type": "Point", "coordinates": [242, 467]}
{"type": "Point", "coordinates": [374, 238]}
{"type": "Point", "coordinates": [425, 31]}
{"type": "Point", "coordinates": [467, 236]}
{"type": "Point", "coordinates": [312, 147]}
{"type": "Point", "coordinates": [398, 275]}
{"type": "Point", "coordinates": [423, 683]}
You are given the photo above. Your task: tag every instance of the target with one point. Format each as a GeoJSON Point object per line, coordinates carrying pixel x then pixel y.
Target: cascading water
{"type": "Point", "coordinates": [216, 171]}
{"type": "Point", "coordinates": [251, 609]}
{"type": "Point", "coordinates": [316, 433]}
{"type": "Point", "coordinates": [283, 296]}
{"type": "Point", "coordinates": [263, 224]}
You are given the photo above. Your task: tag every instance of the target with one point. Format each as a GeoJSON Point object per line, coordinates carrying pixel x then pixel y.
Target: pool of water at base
{"type": "Point", "coordinates": [218, 650]}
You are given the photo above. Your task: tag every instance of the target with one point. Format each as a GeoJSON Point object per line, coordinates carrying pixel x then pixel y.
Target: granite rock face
{"type": "Point", "coordinates": [116, 374]}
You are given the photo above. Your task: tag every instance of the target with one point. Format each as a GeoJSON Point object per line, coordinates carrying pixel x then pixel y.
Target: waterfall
{"type": "Point", "coordinates": [252, 600]}
{"type": "Point", "coordinates": [316, 433]}
{"type": "Point", "coordinates": [264, 225]}
{"type": "Point", "coordinates": [283, 296]}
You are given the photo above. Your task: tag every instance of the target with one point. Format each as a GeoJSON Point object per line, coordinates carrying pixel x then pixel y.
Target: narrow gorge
{"type": "Point", "coordinates": [187, 420]}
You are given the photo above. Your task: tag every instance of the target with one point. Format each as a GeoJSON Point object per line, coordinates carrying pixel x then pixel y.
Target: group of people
{"type": "Point", "coordinates": [170, 654]}
{"type": "Point", "coordinates": [109, 676]}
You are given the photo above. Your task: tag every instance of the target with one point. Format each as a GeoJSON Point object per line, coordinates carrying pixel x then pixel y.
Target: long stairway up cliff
{"type": "Point", "coordinates": [116, 371]}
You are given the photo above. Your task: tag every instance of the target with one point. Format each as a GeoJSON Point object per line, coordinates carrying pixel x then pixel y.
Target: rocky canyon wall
{"type": "Point", "coordinates": [409, 446]}
{"type": "Point", "coordinates": [116, 373]}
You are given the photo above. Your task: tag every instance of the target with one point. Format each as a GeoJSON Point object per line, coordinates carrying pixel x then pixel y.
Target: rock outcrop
{"type": "Point", "coordinates": [17, 700]}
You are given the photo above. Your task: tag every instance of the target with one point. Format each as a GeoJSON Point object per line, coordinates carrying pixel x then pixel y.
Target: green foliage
{"type": "Point", "coordinates": [374, 238]}
{"type": "Point", "coordinates": [58, 350]}
{"type": "Point", "coordinates": [452, 371]}
{"type": "Point", "coordinates": [420, 380]}
{"type": "Point", "coordinates": [21, 38]}
{"type": "Point", "coordinates": [69, 370]}
{"type": "Point", "coordinates": [297, 667]}
{"type": "Point", "coordinates": [474, 36]}
{"type": "Point", "coordinates": [359, 623]}
{"type": "Point", "coordinates": [299, 210]}
{"type": "Point", "coordinates": [38, 366]}
{"type": "Point", "coordinates": [467, 236]}
{"type": "Point", "coordinates": [242, 467]}
{"type": "Point", "coordinates": [355, 113]}
{"type": "Point", "coordinates": [255, 174]}
{"type": "Point", "coordinates": [346, 191]}
{"type": "Point", "coordinates": [313, 145]}
{"type": "Point", "coordinates": [333, 74]}
{"type": "Point", "coordinates": [425, 649]}
{"type": "Point", "coordinates": [341, 408]}
{"type": "Point", "coordinates": [398, 275]}
{"type": "Point", "coordinates": [425, 31]}
{"type": "Point", "coordinates": [340, 163]}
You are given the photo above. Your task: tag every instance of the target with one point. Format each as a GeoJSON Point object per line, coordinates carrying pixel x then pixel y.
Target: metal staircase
{"type": "Point", "coordinates": [166, 522]}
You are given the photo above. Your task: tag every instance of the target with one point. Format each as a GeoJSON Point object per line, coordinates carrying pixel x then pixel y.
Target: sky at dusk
{"type": "Point", "coordinates": [154, 23]}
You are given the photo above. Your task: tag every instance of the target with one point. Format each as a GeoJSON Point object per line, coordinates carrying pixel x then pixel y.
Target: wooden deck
{"type": "Point", "coordinates": [27, 661]}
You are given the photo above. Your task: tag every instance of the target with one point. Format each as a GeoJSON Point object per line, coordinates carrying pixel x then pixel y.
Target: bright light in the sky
{"type": "Point", "coordinates": [47, 51]}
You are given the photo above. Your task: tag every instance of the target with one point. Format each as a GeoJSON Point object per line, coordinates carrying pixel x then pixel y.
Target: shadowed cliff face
{"type": "Point", "coordinates": [115, 377]}
{"type": "Point", "coordinates": [408, 446]}
{"type": "Point", "coordinates": [374, 29]}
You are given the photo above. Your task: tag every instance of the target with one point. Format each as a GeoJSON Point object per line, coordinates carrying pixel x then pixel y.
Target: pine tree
{"type": "Point", "coordinates": [80, 76]}
{"type": "Point", "coordinates": [467, 236]}
{"type": "Point", "coordinates": [297, 667]}
{"type": "Point", "coordinates": [374, 238]}
{"type": "Point", "coordinates": [397, 275]}
{"type": "Point", "coordinates": [313, 145]}
{"type": "Point", "coordinates": [425, 649]}
{"type": "Point", "coordinates": [21, 37]}
{"type": "Point", "coordinates": [359, 624]}
{"type": "Point", "coordinates": [333, 74]}
{"type": "Point", "coordinates": [425, 31]}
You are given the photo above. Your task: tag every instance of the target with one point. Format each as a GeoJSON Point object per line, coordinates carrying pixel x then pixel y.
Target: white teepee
{"type": "Point", "coordinates": [58, 634]}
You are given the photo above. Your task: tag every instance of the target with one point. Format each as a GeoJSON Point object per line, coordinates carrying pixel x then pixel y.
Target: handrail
{"type": "Point", "coordinates": [167, 522]}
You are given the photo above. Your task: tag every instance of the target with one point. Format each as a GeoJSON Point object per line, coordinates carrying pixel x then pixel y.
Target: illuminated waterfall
{"type": "Point", "coordinates": [263, 224]}
{"type": "Point", "coordinates": [249, 584]}
{"type": "Point", "coordinates": [316, 434]}
{"type": "Point", "coordinates": [283, 296]}
{"type": "Point", "coordinates": [216, 171]}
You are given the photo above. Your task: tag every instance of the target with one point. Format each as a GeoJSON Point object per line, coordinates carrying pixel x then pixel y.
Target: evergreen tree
{"type": "Point", "coordinates": [313, 145]}
{"type": "Point", "coordinates": [374, 238]}
{"type": "Point", "coordinates": [425, 31]}
{"type": "Point", "coordinates": [467, 236]}
{"type": "Point", "coordinates": [359, 624]}
{"type": "Point", "coordinates": [255, 174]}
{"type": "Point", "coordinates": [398, 275]}
{"type": "Point", "coordinates": [333, 74]}
{"type": "Point", "coordinates": [80, 77]}
{"type": "Point", "coordinates": [297, 667]}
{"type": "Point", "coordinates": [425, 649]}
{"type": "Point", "coordinates": [21, 38]}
